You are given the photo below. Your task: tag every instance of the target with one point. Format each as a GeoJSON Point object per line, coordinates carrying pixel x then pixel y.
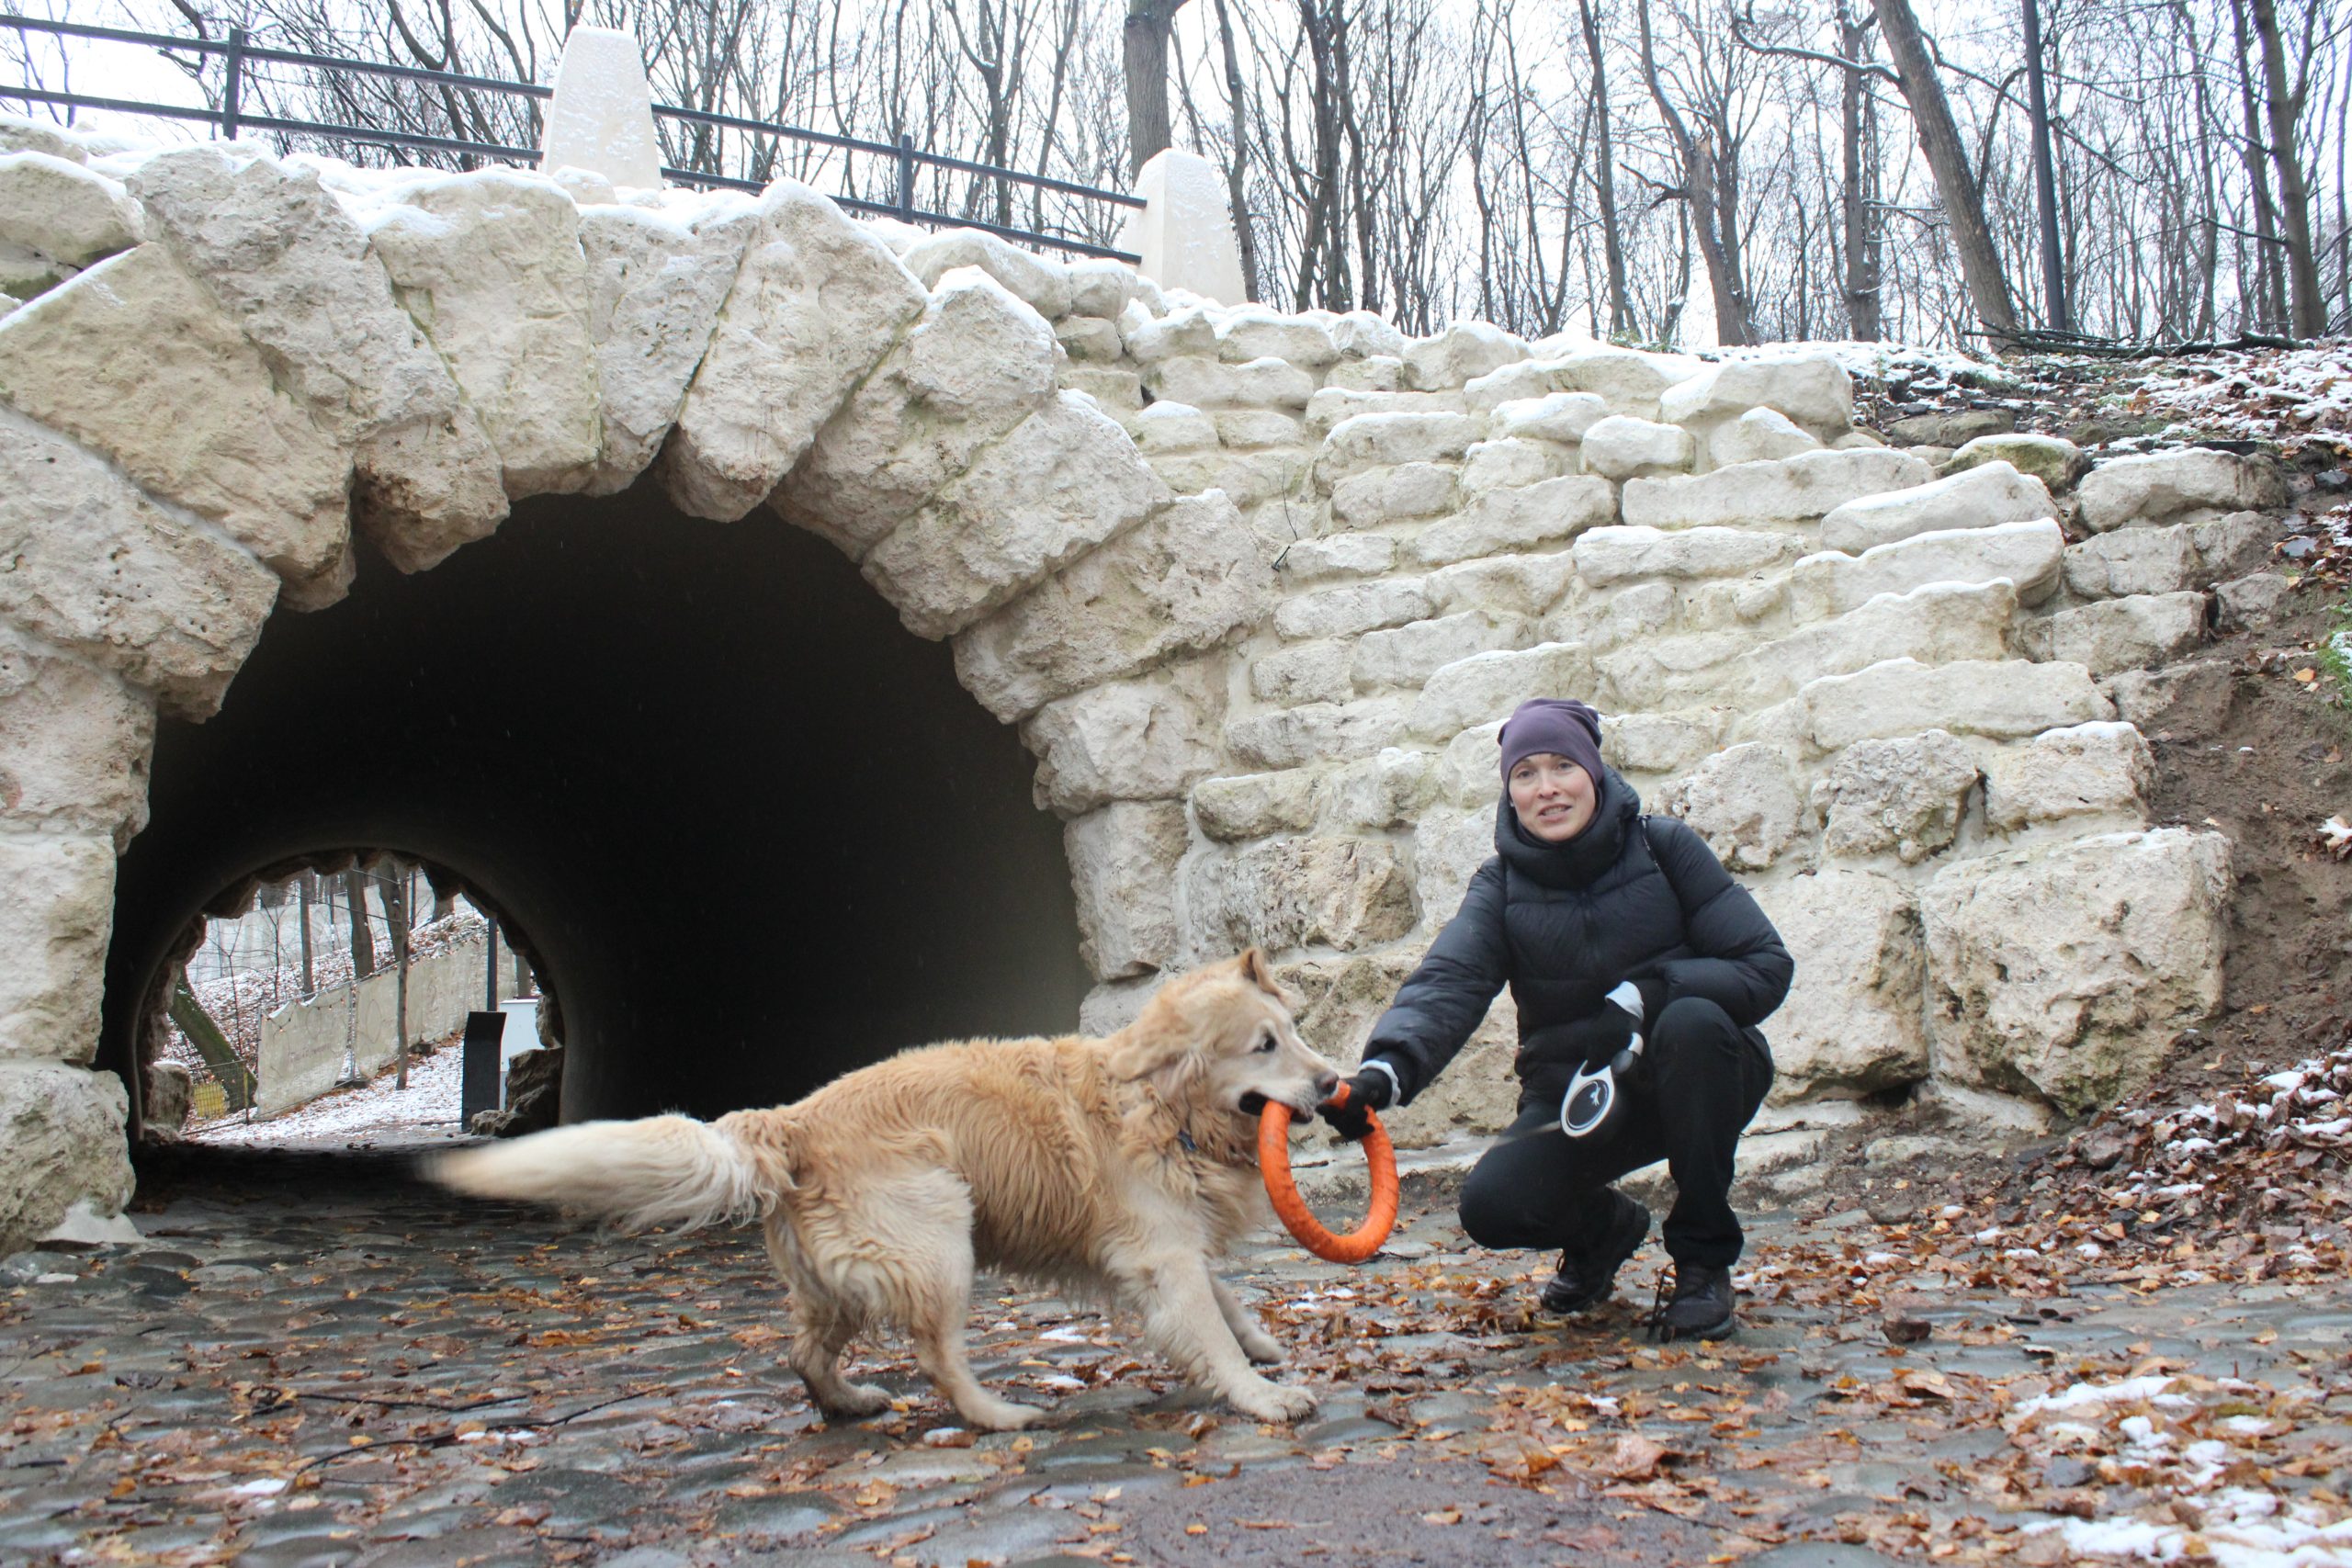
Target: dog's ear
{"type": "Point", "coordinates": [1156, 1045]}
{"type": "Point", "coordinates": [1259, 972]}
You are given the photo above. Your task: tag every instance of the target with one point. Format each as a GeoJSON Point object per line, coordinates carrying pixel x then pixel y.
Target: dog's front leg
{"type": "Point", "coordinates": [1256, 1343]}
{"type": "Point", "coordinates": [1185, 1318]}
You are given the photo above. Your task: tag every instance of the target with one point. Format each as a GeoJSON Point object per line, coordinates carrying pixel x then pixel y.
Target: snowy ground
{"type": "Point", "coordinates": [371, 1116]}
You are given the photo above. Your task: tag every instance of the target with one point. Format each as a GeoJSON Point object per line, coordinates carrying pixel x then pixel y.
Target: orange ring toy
{"type": "Point", "coordinates": [1274, 1164]}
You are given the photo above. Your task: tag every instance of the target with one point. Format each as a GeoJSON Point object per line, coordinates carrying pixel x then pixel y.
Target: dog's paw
{"type": "Point", "coordinates": [859, 1399]}
{"type": "Point", "coordinates": [1261, 1347]}
{"type": "Point", "coordinates": [1274, 1402]}
{"type": "Point", "coordinates": [1001, 1415]}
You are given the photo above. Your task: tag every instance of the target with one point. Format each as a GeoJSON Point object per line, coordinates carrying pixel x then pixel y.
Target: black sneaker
{"type": "Point", "coordinates": [1586, 1279]}
{"type": "Point", "coordinates": [1700, 1307]}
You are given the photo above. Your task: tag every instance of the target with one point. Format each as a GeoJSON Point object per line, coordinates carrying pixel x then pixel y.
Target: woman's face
{"type": "Point", "coordinates": [1553, 796]}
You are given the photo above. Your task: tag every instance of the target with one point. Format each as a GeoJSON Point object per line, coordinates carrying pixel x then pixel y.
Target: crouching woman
{"type": "Point", "coordinates": [1604, 923]}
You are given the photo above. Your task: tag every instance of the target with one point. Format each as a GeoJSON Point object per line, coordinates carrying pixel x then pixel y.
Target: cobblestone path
{"type": "Point", "coordinates": [314, 1360]}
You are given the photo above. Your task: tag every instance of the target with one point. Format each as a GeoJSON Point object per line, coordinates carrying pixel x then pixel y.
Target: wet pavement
{"type": "Point", "coordinates": [314, 1360]}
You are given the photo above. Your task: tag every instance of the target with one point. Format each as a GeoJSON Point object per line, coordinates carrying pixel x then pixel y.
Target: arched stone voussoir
{"type": "Point", "coordinates": [74, 743]}
{"type": "Point", "coordinates": [60, 1143]}
{"type": "Point", "coordinates": [53, 930]}
{"type": "Point", "coordinates": [977, 363]}
{"type": "Point", "coordinates": [133, 358]}
{"type": "Point", "coordinates": [97, 567]}
{"type": "Point", "coordinates": [291, 267]}
{"type": "Point", "coordinates": [816, 304]}
{"type": "Point", "coordinates": [490, 265]}
{"type": "Point", "coordinates": [655, 286]}
{"type": "Point", "coordinates": [1064, 482]}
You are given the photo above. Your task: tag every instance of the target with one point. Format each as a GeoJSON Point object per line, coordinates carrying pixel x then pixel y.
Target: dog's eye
{"type": "Point", "coordinates": [1265, 1042]}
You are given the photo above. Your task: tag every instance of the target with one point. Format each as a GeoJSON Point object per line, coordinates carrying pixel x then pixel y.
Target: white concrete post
{"type": "Point", "coordinates": [1184, 230]}
{"type": "Point", "coordinates": [600, 118]}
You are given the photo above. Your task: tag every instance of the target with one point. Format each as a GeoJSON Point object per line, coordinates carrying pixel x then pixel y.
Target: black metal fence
{"type": "Point", "coordinates": [238, 52]}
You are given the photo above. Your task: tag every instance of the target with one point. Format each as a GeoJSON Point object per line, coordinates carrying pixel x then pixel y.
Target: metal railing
{"type": "Point", "coordinates": [238, 52]}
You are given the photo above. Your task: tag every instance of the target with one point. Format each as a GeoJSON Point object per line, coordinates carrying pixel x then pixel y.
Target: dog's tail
{"type": "Point", "coordinates": [672, 1171]}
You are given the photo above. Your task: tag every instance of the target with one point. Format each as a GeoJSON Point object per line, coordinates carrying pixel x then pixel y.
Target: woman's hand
{"type": "Point", "coordinates": [1372, 1088]}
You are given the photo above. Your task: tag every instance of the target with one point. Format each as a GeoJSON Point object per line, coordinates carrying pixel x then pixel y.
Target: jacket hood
{"type": "Point", "coordinates": [1580, 859]}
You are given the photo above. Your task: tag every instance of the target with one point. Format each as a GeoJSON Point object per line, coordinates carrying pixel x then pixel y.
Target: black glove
{"type": "Point", "coordinates": [1370, 1090]}
{"type": "Point", "coordinates": [1595, 1040]}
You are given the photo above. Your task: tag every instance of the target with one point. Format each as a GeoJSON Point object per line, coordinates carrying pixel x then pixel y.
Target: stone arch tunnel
{"type": "Point", "coordinates": [752, 830]}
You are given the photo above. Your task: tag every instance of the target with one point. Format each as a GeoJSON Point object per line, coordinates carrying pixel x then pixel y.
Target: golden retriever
{"type": "Point", "coordinates": [1113, 1169]}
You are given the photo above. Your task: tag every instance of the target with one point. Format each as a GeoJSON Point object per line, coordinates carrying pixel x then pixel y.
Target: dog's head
{"type": "Point", "coordinates": [1222, 1038]}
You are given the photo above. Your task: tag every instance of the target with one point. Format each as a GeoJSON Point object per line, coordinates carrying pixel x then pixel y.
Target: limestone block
{"type": "Point", "coordinates": [601, 116]}
{"type": "Point", "coordinates": [242, 455]}
{"type": "Point", "coordinates": [2084, 770]}
{"type": "Point", "coordinates": [1123, 869]}
{"type": "Point", "coordinates": [1043, 284]}
{"type": "Point", "coordinates": [1666, 672]}
{"type": "Point", "coordinates": [1744, 801]}
{"type": "Point", "coordinates": [1116, 391]}
{"type": "Point", "coordinates": [2251, 600]}
{"type": "Point", "coordinates": [1449, 846]}
{"type": "Point", "coordinates": [1173, 427]}
{"type": "Point", "coordinates": [976, 365]}
{"type": "Point", "coordinates": [1607, 555]}
{"type": "Point", "coordinates": [53, 930]}
{"type": "Point", "coordinates": [2233, 546]}
{"type": "Point", "coordinates": [63, 211]}
{"type": "Point", "coordinates": [1853, 1023]}
{"type": "Point", "coordinates": [1254, 332]}
{"type": "Point", "coordinates": [18, 134]}
{"type": "Point", "coordinates": [1348, 608]}
{"type": "Point", "coordinates": [1461, 353]}
{"type": "Point", "coordinates": [290, 264]}
{"type": "Point", "coordinates": [2145, 698]}
{"type": "Point", "coordinates": [1318, 732]}
{"type": "Point", "coordinates": [1090, 338]}
{"type": "Point", "coordinates": [2004, 700]}
{"type": "Point", "coordinates": [1208, 383]}
{"type": "Point", "coordinates": [655, 288]}
{"type": "Point", "coordinates": [1250, 806]}
{"type": "Point", "coordinates": [1813, 391]}
{"type": "Point", "coordinates": [93, 566]}
{"type": "Point", "coordinates": [1099, 286]}
{"type": "Point", "coordinates": [1249, 429]}
{"type": "Point", "coordinates": [2130, 562]}
{"type": "Point", "coordinates": [1627, 381]}
{"type": "Point", "coordinates": [1146, 740]}
{"type": "Point", "coordinates": [1340, 555]}
{"type": "Point", "coordinates": [816, 304]}
{"type": "Point", "coordinates": [1503, 521]}
{"type": "Point", "coordinates": [1469, 776]}
{"type": "Point", "coordinates": [1062, 482]}
{"type": "Point", "coordinates": [64, 1140]}
{"type": "Point", "coordinates": [1383, 440]}
{"type": "Point", "coordinates": [1184, 229]}
{"type": "Point", "coordinates": [2053, 459]}
{"type": "Point", "coordinates": [2171, 487]}
{"type": "Point", "coordinates": [1561, 418]}
{"type": "Point", "coordinates": [1389, 789]}
{"type": "Point", "coordinates": [2067, 975]}
{"type": "Point", "coordinates": [2119, 634]}
{"type": "Point", "coordinates": [1400, 494]}
{"type": "Point", "coordinates": [1939, 623]}
{"type": "Point", "coordinates": [1941, 433]}
{"type": "Point", "coordinates": [1150, 339]}
{"type": "Point", "coordinates": [1759, 436]}
{"type": "Point", "coordinates": [1372, 373]}
{"type": "Point", "coordinates": [1365, 335]}
{"type": "Point", "coordinates": [1305, 672]}
{"type": "Point", "coordinates": [1281, 894]}
{"type": "Point", "coordinates": [1977, 497]}
{"type": "Point", "coordinates": [1790, 491]}
{"type": "Point", "coordinates": [2028, 554]}
{"type": "Point", "coordinates": [1498, 465]}
{"type": "Point", "coordinates": [1902, 796]}
{"type": "Point", "coordinates": [1620, 448]}
{"type": "Point", "coordinates": [1407, 656]}
{"type": "Point", "coordinates": [1519, 585]}
{"type": "Point", "coordinates": [1250, 479]}
{"type": "Point", "coordinates": [490, 265]}
{"type": "Point", "coordinates": [74, 743]}
{"type": "Point", "coordinates": [1189, 577]}
{"type": "Point", "coordinates": [1658, 742]}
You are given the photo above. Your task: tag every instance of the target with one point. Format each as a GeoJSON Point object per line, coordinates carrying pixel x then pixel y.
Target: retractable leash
{"type": "Point", "coordinates": [1593, 1098]}
{"type": "Point", "coordinates": [1273, 1164]}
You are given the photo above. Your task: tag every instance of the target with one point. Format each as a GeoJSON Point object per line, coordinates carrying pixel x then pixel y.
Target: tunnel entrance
{"type": "Point", "coordinates": [756, 833]}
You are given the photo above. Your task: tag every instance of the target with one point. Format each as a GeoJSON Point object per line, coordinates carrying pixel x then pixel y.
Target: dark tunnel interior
{"type": "Point", "coordinates": [752, 831]}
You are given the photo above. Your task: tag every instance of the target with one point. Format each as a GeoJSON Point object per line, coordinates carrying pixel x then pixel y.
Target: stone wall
{"type": "Point", "coordinates": [302, 1043]}
{"type": "Point", "coordinates": [1255, 586]}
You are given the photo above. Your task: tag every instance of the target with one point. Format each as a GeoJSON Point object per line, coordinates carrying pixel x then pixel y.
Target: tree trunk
{"type": "Point", "coordinates": [1703, 196]}
{"type": "Point", "coordinates": [2285, 103]}
{"type": "Point", "coordinates": [1237, 171]}
{"type": "Point", "coordinates": [363, 938]}
{"type": "Point", "coordinates": [2269, 313]}
{"type": "Point", "coordinates": [1148, 25]}
{"type": "Point", "coordinates": [1854, 200]}
{"type": "Point", "coordinates": [396, 906]}
{"type": "Point", "coordinates": [229, 1069]}
{"type": "Point", "coordinates": [302, 897]}
{"type": "Point", "coordinates": [2045, 178]}
{"type": "Point", "coordinates": [1612, 242]}
{"type": "Point", "coordinates": [1947, 155]}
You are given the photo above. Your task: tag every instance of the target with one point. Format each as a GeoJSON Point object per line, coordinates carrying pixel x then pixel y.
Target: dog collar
{"type": "Point", "coordinates": [1184, 1141]}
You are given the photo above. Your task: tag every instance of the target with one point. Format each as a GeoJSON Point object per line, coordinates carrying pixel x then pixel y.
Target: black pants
{"type": "Point", "coordinates": [1702, 1081]}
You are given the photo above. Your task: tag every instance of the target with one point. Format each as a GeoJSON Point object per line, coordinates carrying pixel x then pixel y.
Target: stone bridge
{"type": "Point", "coordinates": [1255, 588]}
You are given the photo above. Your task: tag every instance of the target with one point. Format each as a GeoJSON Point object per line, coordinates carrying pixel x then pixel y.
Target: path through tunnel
{"type": "Point", "coordinates": [752, 830]}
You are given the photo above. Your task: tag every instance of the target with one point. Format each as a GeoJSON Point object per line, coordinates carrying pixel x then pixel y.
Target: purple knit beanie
{"type": "Point", "coordinates": [1553, 724]}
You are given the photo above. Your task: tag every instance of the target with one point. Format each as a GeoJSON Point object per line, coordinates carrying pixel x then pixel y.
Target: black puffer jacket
{"type": "Point", "coordinates": [1629, 899]}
